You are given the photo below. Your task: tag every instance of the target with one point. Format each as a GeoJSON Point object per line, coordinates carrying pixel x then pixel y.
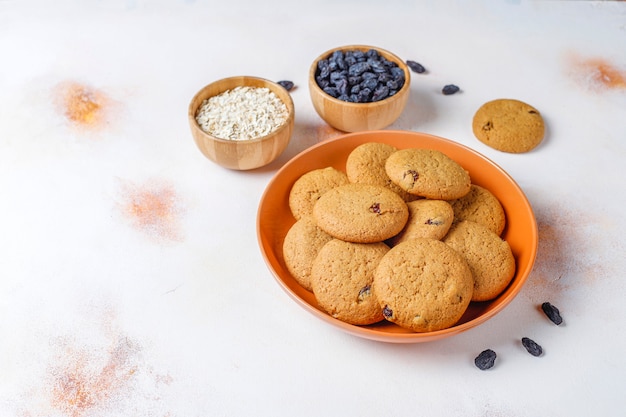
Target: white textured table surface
{"type": "Point", "coordinates": [131, 282]}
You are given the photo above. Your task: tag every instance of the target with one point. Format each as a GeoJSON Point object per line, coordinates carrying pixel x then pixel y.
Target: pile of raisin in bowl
{"type": "Point", "coordinates": [359, 76]}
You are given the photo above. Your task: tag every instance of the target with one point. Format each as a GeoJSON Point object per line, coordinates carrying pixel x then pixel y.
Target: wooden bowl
{"type": "Point", "coordinates": [356, 117]}
{"type": "Point", "coordinates": [241, 154]}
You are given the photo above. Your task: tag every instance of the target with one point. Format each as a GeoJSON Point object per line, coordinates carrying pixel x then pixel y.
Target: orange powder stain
{"type": "Point", "coordinates": [597, 74]}
{"type": "Point", "coordinates": [152, 208]}
{"type": "Point", "coordinates": [570, 255]}
{"type": "Point", "coordinates": [79, 388]}
{"type": "Point", "coordinates": [81, 105]}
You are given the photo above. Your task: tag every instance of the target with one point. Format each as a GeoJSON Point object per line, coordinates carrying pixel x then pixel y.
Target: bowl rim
{"type": "Point", "coordinates": [371, 332]}
{"type": "Point", "coordinates": [191, 110]}
{"type": "Point", "coordinates": [387, 54]}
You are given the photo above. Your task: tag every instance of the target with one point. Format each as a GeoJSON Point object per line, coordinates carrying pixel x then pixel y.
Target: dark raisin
{"type": "Point", "coordinates": [485, 360]}
{"type": "Point", "coordinates": [387, 312]}
{"type": "Point", "coordinates": [531, 346]}
{"type": "Point", "coordinates": [368, 74]}
{"type": "Point", "coordinates": [355, 80]}
{"type": "Point", "coordinates": [381, 92]}
{"type": "Point", "coordinates": [434, 222]}
{"type": "Point", "coordinates": [415, 66]}
{"type": "Point", "coordinates": [372, 53]}
{"type": "Point", "coordinates": [488, 126]}
{"type": "Point", "coordinates": [323, 68]}
{"type": "Point", "coordinates": [322, 82]}
{"type": "Point", "coordinates": [364, 95]}
{"type": "Point", "coordinates": [392, 85]}
{"type": "Point", "coordinates": [331, 91]}
{"type": "Point", "coordinates": [397, 73]}
{"type": "Point", "coordinates": [450, 89]}
{"type": "Point", "coordinates": [342, 86]}
{"type": "Point", "coordinates": [414, 174]}
{"type": "Point", "coordinates": [336, 76]}
{"type": "Point", "coordinates": [377, 66]}
{"type": "Point", "coordinates": [364, 293]}
{"type": "Point", "coordinates": [288, 85]}
{"type": "Point", "coordinates": [552, 312]}
{"type": "Point", "coordinates": [370, 83]}
{"type": "Point", "coordinates": [375, 208]}
{"type": "Point", "coordinates": [358, 69]}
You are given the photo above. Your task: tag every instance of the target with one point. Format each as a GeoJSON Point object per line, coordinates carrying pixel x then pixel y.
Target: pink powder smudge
{"type": "Point", "coordinates": [596, 74]}
{"type": "Point", "coordinates": [96, 376]}
{"type": "Point", "coordinates": [153, 208]}
{"type": "Point", "coordinates": [82, 106]}
{"type": "Point", "coordinates": [571, 254]}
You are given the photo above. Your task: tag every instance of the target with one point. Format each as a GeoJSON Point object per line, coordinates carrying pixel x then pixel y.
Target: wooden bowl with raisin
{"type": "Point", "coordinates": [242, 122]}
{"type": "Point", "coordinates": [358, 87]}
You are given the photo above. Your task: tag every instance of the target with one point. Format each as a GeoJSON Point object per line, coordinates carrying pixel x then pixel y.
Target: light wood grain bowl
{"type": "Point", "coordinates": [357, 117]}
{"type": "Point", "coordinates": [241, 154]}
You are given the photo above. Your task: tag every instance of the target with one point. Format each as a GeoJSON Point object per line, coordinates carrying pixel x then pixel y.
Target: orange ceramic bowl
{"type": "Point", "coordinates": [274, 220]}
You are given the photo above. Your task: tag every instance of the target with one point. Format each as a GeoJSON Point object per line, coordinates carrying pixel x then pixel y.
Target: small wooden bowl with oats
{"type": "Point", "coordinates": [242, 122]}
{"type": "Point", "coordinates": [349, 92]}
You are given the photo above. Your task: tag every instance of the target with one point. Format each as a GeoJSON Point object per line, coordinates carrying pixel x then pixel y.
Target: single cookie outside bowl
{"type": "Point", "coordinates": [302, 243]}
{"type": "Point", "coordinates": [489, 257]}
{"type": "Point", "coordinates": [361, 213]}
{"type": "Point", "coordinates": [309, 188]}
{"type": "Point", "coordinates": [509, 125]}
{"type": "Point", "coordinates": [423, 285]}
{"type": "Point", "coordinates": [341, 279]}
{"type": "Point", "coordinates": [428, 173]}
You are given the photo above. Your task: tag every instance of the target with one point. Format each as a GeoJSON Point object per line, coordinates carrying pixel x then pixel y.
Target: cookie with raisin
{"type": "Point", "coordinates": [423, 285]}
{"type": "Point", "coordinates": [361, 213]}
{"type": "Point", "coordinates": [341, 279]}
{"type": "Point", "coordinates": [509, 125]}
{"type": "Point", "coordinates": [428, 173]}
{"type": "Point", "coordinates": [427, 218]}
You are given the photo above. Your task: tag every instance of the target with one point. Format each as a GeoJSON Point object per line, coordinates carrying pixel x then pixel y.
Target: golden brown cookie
{"type": "Point", "coordinates": [341, 279]}
{"type": "Point", "coordinates": [361, 213]}
{"type": "Point", "coordinates": [480, 206]}
{"type": "Point", "coordinates": [302, 243]}
{"type": "Point", "coordinates": [508, 125]}
{"type": "Point", "coordinates": [428, 173]}
{"type": "Point", "coordinates": [427, 218]}
{"type": "Point", "coordinates": [366, 165]}
{"type": "Point", "coordinates": [309, 187]}
{"type": "Point", "coordinates": [423, 285]}
{"type": "Point", "coordinates": [488, 256]}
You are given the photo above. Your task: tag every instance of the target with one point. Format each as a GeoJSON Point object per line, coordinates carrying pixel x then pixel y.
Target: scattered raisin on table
{"type": "Point", "coordinates": [485, 360]}
{"type": "Point", "coordinates": [415, 66]}
{"type": "Point", "coordinates": [450, 89]}
{"type": "Point", "coordinates": [552, 312]}
{"type": "Point", "coordinates": [531, 346]}
{"type": "Point", "coordinates": [288, 85]}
